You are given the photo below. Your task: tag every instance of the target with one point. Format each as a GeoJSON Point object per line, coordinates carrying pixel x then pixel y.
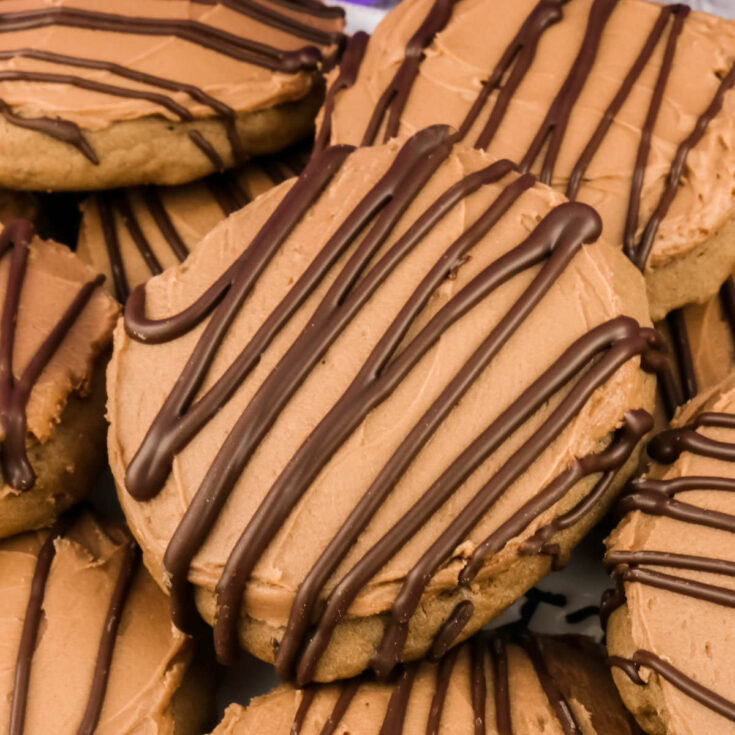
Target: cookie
{"type": "Point", "coordinates": [153, 91]}
{"type": "Point", "coordinates": [353, 404]}
{"type": "Point", "coordinates": [621, 105]}
{"type": "Point", "coordinates": [493, 685]}
{"type": "Point", "coordinates": [670, 629]}
{"type": "Point", "coordinates": [17, 204]}
{"type": "Point", "coordinates": [88, 646]}
{"type": "Point", "coordinates": [131, 235]}
{"type": "Point", "coordinates": [55, 327]}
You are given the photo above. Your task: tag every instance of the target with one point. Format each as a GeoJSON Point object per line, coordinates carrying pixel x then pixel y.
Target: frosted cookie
{"type": "Point", "coordinates": [131, 235]}
{"type": "Point", "coordinates": [94, 96]}
{"type": "Point", "coordinates": [351, 422]}
{"type": "Point", "coordinates": [672, 616]}
{"type": "Point", "coordinates": [55, 324]}
{"type": "Point", "coordinates": [491, 685]}
{"type": "Point", "coordinates": [626, 106]}
{"type": "Point", "coordinates": [87, 643]}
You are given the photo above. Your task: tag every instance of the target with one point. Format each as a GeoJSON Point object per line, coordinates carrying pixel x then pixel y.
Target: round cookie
{"type": "Point", "coordinates": [494, 685]}
{"type": "Point", "coordinates": [671, 618]}
{"type": "Point", "coordinates": [154, 91]}
{"type": "Point", "coordinates": [131, 235]}
{"type": "Point", "coordinates": [621, 105]}
{"type": "Point", "coordinates": [55, 327]}
{"type": "Point", "coordinates": [378, 422]}
{"type": "Point", "coordinates": [88, 645]}
{"type": "Point", "coordinates": [15, 204]}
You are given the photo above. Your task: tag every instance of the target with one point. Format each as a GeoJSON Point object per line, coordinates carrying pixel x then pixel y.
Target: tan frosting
{"type": "Point", "coordinates": [575, 664]}
{"type": "Point", "coordinates": [696, 637]}
{"type": "Point", "coordinates": [599, 284]}
{"type": "Point", "coordinates": [462, 56]}
{"type": "Point", "coordinates": [192, 208]}
{"type": "Point", "coordinates": [150, 656]}
{"type": "Point", "coordinates": [241, 85]}
{"type": "Point", "coordinates": [53, 278]}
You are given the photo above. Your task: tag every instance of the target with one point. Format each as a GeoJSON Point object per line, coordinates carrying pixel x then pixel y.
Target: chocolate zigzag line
{"type": "Point", "coordinates": [224, 188]}
{"type": "Point", "coordinates": [552, 245]}
{"type": "Point", "coordinates": [509, 73]}
{"type": "Point", "coordinates": [202, 34]}
{"type": "Point", "coordinates": [32, 623]}
{"type": "Point", "coordinates": [657, 497]}
{"type": "Point", "coordinates": [481, 648]}
{"type": "Point", "coordinates": [15, 392]}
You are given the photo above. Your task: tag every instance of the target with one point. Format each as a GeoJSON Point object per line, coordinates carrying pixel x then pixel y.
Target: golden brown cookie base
{"type": "Point", "coordinates": [355, 640]}
{"type": "Point", "coordinates": [646, 703]}
{"type": "Point", "coordinates": [146, 151]}
{"type": "Point", "coordinates": [66, 466]}
{"type": "Point", "coordinates": [695, 277]}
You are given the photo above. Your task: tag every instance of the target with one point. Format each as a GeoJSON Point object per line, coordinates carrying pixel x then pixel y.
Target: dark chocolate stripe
{"type": "Point", "coordinates": [699, 693]}
{"type": "Point", "coordinates": [31, 625]}
{"type": "Point", "coordinates": [207, 149]}
{"type": "Point", "coordinates": [478, 683]}
{"type": "Point", "coordinates": [501, 685]}
{"type": "Point", "coordinates": [398, 702]}
{"type": "Point", "coordinates": [112, 245]}
{"type": "Point", "coordinates": [443, 676]}
{"type": "Point", "coordinates": [15, 393]}
{"type": "Point", "coordinates": [136, 233]}
{"type": "Point", "coordinates": [107, 641]}
{"type": "Point", "coordinates": [165, 226]}
{"type": "Point", "coordinates": [727, 298]}
{"type": "Point", "coordinates": [307, 699]}
{"type": "Point", "coordinates": [558, 702]}
{"type": "Point", "coordinates": [346, 696]}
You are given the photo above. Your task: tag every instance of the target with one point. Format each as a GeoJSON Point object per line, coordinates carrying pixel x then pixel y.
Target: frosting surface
{"type": "Point", "coordinates": [591, 286]}
{"type": "Point", "coordinates": [149, 656]}
{"type": "Point", "coordinates": [674, 557]}
{"type": "Point", "coordinates": [621, 87]}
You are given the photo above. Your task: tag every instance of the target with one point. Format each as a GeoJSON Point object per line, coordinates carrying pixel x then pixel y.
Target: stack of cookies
{"type": "Point", "coordinates": [388, 325]}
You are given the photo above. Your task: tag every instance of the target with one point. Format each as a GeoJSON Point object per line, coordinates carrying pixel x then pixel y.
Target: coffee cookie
{"type": "Point", "coordinates": [154, 91]}
{"type": "Point", "coordinates": [671, 617]}
{"type": "Point", "coordinates": [494, 685]}
{"type": "Point", "coordinates": [623, 105]}
{"type": "Point", "coordinates": [56, 322]}
{"type": "Point", "coordinates": [88, 645]}
{"type": "Point", "coordinates": [130, 235]}
{"type": "Point", "coordinates": [359, 404]}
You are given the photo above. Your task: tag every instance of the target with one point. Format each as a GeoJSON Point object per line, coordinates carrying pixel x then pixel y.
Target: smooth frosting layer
{"type": "Point", "coordinates": [505, 688]}
{"type": "Point", "coordinates": [131, 235]}
{"type": "Point", "coordinates": [214, 52]}
{"type": "Point", "coordinates": [674, 556]}
{"type": "Point", "coordinates": [591, 286]}
{"type": "Point", "coordinates": [56, 321]}
{"type": "Point", "coordinates": [149, 657]}
{"type": "Point", "coordinates": [582, 75]}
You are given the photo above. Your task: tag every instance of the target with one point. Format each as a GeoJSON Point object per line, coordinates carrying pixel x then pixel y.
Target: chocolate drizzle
{"type": "Point", "coordinates": [657, 497]}
{"type": "Point", "coordinates": [119, 206]}
{"type": "Point", "coordinates": [248, 50]}
{"type": "Point", "coordinates": [593, 359]}
{"type": "Point", "coordinates": [15, 392]}
{"type": "Point", "coordinates": [482, 650]}
{"type": "Point", "coordinates": [508, 74]}
{"type": "Point", "coordinates": [32, 622]}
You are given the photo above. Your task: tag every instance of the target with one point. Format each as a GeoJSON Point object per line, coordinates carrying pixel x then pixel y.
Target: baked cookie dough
{"type": "Point", "coordinates": [130, 235]}
{"type": "Point", "coordinates": [671, 629]}
{"type": "Point", "coordinates": [528, 684]}
{"type": "Point", "coordinates": [55, 327]}
{"type": "Point", "coordinates": [94, 96]}
{"type": "Point", "coordinates": [627, 106]}
{"type": "Point", "coordinates": [17, 204]}
{"type": "Point", "coordinates": [355, 416]}
{"type": "Point", "coordinates": [87, 643]}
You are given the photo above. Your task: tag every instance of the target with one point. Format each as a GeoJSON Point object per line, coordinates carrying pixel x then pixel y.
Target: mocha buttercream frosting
{"type": "Point", "coordinates": [87, 642]}
{"type": "Point", "coordinates": [623, 105]}
{"type": "Point", "coordinates": [494, 684]}
{"type": "Point", "coordinates": [360, 340]}
{"type": "Point", "coordinates": [671, 618]}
